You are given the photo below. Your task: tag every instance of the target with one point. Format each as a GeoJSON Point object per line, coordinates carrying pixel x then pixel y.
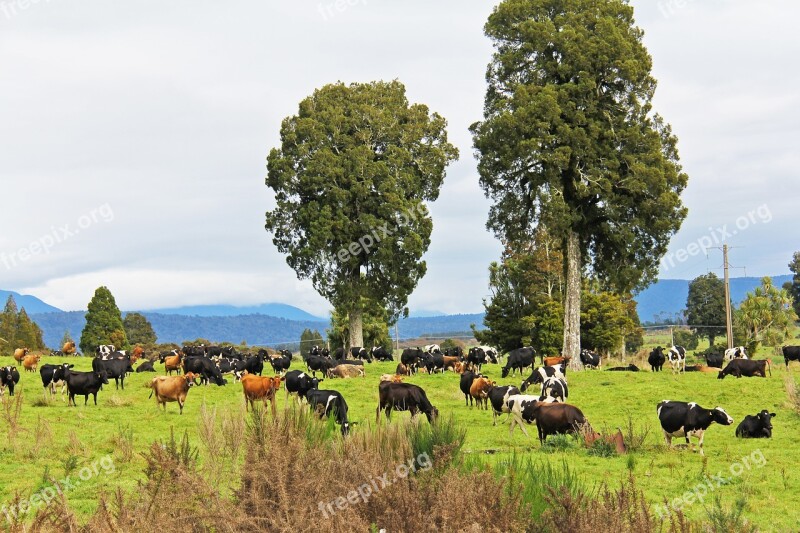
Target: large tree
{"type": "Point", "coordinates": [765, 316]}
{"type": "Point", "coordinates": [17, 329]}
{"type": "Point", "coordinates": [794, 289]}
{"type": "Point", "coordinates": [351, 176]}
{"type": "Point", "coordinates": [705, 306]}
{"type": "Point", "coordinates": [138, 329]}
{"type": "Point", "coordinates": [375, 326]}
{"type": "Point", "coordinates": [103, 323]}
{"type": "Point", "coordinates": [570, 141]}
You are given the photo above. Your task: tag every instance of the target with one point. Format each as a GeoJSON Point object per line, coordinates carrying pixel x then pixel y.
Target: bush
{"type": "Point", "coordinates": [686, 338]}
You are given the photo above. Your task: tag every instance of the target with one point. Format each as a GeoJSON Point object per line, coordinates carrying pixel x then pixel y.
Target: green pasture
{"type": "Point", "coordinates": [54, 440]}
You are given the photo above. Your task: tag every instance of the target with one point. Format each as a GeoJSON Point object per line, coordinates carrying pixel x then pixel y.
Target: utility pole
{"type": "Point", "coordinates": [728, 318]}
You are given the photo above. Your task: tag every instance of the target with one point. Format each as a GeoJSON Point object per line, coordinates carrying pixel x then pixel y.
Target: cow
{"type": "Point", "coordinates": [298, 382]}
{"type": "Point", "coordinates": [346, 371]}
{"type": "Point", "coordinates": [438, 362]}
{"type": "Point", "coordinates": [392, 377]}
{"type": "Point", "coordinates": [338, 353]}
{"type": "Point", "coordinates": [282, 362]}
{"type": "Point", "coordinates": [476, 358]}
{"type": "Point", "coordinates": [554, 390]}
{"type": "Point", "coordinates": [520, 406]}
{"type": "Point", "coordinates": [68, 348]}
{"type": "Point", "coordinates": [498, 397]}
{"type": "Point", "coordinates": [432, 349]}
{"type": "Point", "coordinates": [84, 384]}
{"type": "Point", "coordinates": [519, 359]}
{"type": "Point", "coordinates": [410, 358]}
{"type": "Point", "coordinates": [231, 366]}
{"type": "Point", "coordinates": [746, 367]}
{"type": "Point", "coordinates": [465, 385]}
{"type": "Point", "coordinates": [556, 360]}
{"type": "Point", "coordinates": [479, 390]}
{"type": "Point", "coordinates": [491, 353]}
{"type": "Point", "coordinates": [677, 358]}
{"type": "Point", "coordinates": [146, 366]}
{"type": "Point", "coordinates": [260, 388]}
{"type": "Point", "coordinates": [404, 397]}
{"type": "Point", "coordinates": [317, 363]}
{"type": "Point", "coordinates": [550, 418]}
{"type": "Point", "coordinates": [172, 363]}
{"type": "Point", "coordinates": [114, 368]}
{"type": "Point", "coordinates": [53, 376]}
{"type": "Point", "coordinates": [449, 362]}
{"type": "Point", "coordinates": [616, 440]}
{"type": "Point", "coordinates": [330, 402]}
{"type": "Point", "coordinates": [790, 353]}
{"type": "Point", "coordinates": [31, 362]}
{"type": "Point", "coordinates": [758, 426]}
{"type": "Point", "coordinates": [703, 368]}
{"type": "Point", "coordinates": [737, 352]}
{"type": "Point", "coordinates": [137, 353]}
{"type": "Point", "coordinates": [589, 359]}
{"type": "Point", "coordinates": [455, 351]}
{"type": "Point", "coordinates": [205, 369]}
{"type": "Point", "coordinates": [20, 354]}
{"type": "Point", "coordinates": [657, 359]}
{"type": "Point", "coordinates": [630, 368]}
{"type": "Point", "coordinates": [687, 419]}
{"type": "Point", "coordinates": [402, 370]}
{"type": "Point", "coordinates": [194, 351]}
{"type": "Point", "coordinates": [105, 349]}
{"type": "Point", "coordinates": [715, 359]}
{"type": "Point", "coordinates": [254, 364]}
{"type": "Point", "coordinates": [171, 389]}
{"type": "Point", "coordinates": [358, 352]}
{"type": "Point", "coordinates": [381, 354]}
{"type": "Point", "coordinates": [543, 373]}
{"type": "Point", "coordinates": [9, 377]}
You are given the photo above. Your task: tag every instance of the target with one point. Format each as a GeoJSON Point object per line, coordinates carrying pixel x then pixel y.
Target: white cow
{"type": "Point", "coordinates": [737, 352]}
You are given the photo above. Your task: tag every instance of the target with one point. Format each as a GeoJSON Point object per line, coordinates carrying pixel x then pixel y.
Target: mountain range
{"type": "Point", "coordinates": [278, 323]}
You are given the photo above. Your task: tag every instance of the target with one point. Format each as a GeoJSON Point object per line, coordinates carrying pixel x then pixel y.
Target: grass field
{"type": "Point", "coordinates": [54, 441]}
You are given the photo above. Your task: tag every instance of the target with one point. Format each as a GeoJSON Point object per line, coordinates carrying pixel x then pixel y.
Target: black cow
{"type": "Point", "coordinates": [298, 382]}
{"type": "Point", "coordinates": [254, 364]}
{"type": "Point", "coordinates": [630, 368]}
{"type": "Point", "coordinates": [657, 359]}
{"type": "Point", "coordinates": [466, 382]}
{"type": "Point", "coordinates": [590, 359]}
{"type": "Point", "coordinates": [282, 363]}
{"type": "Point", "coordinates": [791, 353]}
{"type": "Point", "coordinates": [476, 358]}
{"type": "Point", "coordinates": [9, 377]}
{"type": "Point", "coordinates": [404, 397]}
{"type": "Point", "coordinates": [205, 368]}
{"type": "Point", "coordinates": [146, 366]}
{"type": "Point", "coordinates": [498, 396]}
{"type": "Point", "coordinates": [715, 360]}
{"type": "Point", "coordinates": [543, 373]}
{"type": "Point", "coordinates": [381, 354]}
{"type": "Point", "coordinates": [194, 351]}
{"type": "Point", "coordinates": [455, 351]}
{"type": "Point", "coordinates": [519, 359]}
{"type": "Point", "coordinates": [84, 384]}
{"type": "Point", "coordinates": [338, 353]}
{"type": "Point", "coordinates": [410, 358]}
{"type": "Point", "coordinates": [53, 376]}
{"type": "Point", "coordinates": [358, 352]}
{"type": "Point", "coordinates": [682, 419]}
{"type": "Point", "coordinates": [316, 363]}
{"type": "Point", "coordinates": [756, 426]}
{"type": "Point", "coordinates": [745, 367]}
{"type": "Point", "coordinates": [327, 402]}
{"type": "Point", "coordinates": [116, 368]}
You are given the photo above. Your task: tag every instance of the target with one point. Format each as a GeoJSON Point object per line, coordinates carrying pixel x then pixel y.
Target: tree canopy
{"type": "Point", "coordinates": [794, 289]}
{"type": "Point", "coordinates": [375, 324]}
{"type": "Point", "coordinates": [569, 141]}
{"type": "Point", "coordinates": [309, 339]}
{"type": "Point", "coordinates": [103, 323]}
{"type": "Point", "coordinates": [705, 306]}
{"type": "Point", "coordinates": [351, 176]}
{"type": "Point", "coordinates": [138, 329]}
{"type": "Point", "coordinates": [17, 330]}
{"type": "Point", "coordinates": [765, 316]}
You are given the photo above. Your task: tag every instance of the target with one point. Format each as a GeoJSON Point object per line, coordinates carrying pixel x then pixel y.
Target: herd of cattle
{"type": "Point", "coordinates": [548, 409]}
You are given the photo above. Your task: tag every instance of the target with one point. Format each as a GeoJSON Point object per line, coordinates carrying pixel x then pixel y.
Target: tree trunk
{"type": "Point", "coordinates": [572, 301]}
{"type": "Point", "coordinates": [356, 328]}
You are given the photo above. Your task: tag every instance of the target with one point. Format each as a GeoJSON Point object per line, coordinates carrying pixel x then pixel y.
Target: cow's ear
{"type": "Point", "coordinates": [773, 415]}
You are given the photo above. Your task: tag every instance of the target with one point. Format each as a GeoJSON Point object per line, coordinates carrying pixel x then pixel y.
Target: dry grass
{"type": "Point", "coordinates": [792, 393]}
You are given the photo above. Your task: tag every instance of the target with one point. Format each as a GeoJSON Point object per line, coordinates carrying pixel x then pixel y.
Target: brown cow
{"type": "Point", "coordinates": [479, 390]}
{"type": "Point", "coordinates": [553, 418]}
{"type": "Point", "coordinates": [171, 389]}
{"type": "Point", "coordinates": [260, 388]}
{"type": "Point", "coordinates": [19, 354]}
{"type": "Point", "coordinates": [137, 353]}
{"type": "Point", "coordinates": [31, 362]}
{"type": "Point", "coordinates": [616, 440]}
{"type": "Point", "coordinates": [402, 370]}
{"type": "Point", "coordinates": [450, 363]}
{"type": "Point", "coordinates": [459, 368]}
{"type": "Point", "coordinates": [394, 378]}
{"type": "Point", "coordinates": [346, 371]}
{"type": "Point", "coordinates": [702, 368]}
{"type": "Point", "coordinates": [553, 361]}
{"type": "Point", "coordinates": [173, 362]}
{"type": "Point", "coordinates": [68, 348]}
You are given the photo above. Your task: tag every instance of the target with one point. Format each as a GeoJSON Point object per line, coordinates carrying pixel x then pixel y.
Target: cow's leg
{"type": "Point", "coordinates": [668, 439]}
{"type": "Point", "coordinates": [700, 443]}
{"type": "Point", "coordinates": [180, 406]}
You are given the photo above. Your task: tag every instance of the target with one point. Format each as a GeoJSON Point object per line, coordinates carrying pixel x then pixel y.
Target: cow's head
{"type": "Point", "coordinates": [505, 371]}
{"type": "Point", "coordinates": [765, 419]}
{"type": "Point", "coordinates": [102, 376]}
{"type": "Point", "coordinates": [719, 416]}
{"type": "Point", "coordinates": [432, 415]}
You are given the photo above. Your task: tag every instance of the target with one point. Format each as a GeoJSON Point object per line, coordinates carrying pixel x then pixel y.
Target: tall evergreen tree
{"type": "Point", "coordinates": [8, 322]}
{"type": "Point", "coordinates": [28, 333]}
{"type": "Point", "coordinates": [794, 290]}
{"type": "Point", "coordinates": [351, 178]}
{"type": "Point", "coordinates": [103, 323]}
{"type": "Point", "coordinates": [138, 329]}
{"type": "Point", "coordinates": [569, 141]}
{"type": "Point", "coordinates": [705, 306]}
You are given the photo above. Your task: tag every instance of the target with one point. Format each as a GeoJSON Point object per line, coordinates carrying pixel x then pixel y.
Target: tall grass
{"type": "Point", "coordinates": [792, 393]}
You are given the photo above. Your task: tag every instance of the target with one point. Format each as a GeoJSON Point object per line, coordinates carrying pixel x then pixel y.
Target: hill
{"type": "Point", "coordinates": [32, 304]}
{"type": "Point", "coordinates": [277, 310]}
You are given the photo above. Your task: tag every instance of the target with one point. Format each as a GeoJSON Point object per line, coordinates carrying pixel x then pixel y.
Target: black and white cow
{"type": "Point", "coordinates": [521, 407]}
{"type": "Point", "coordinates": [411, 357]}
{"type": "Point", "coordinates": [657, 359]}
{"type": "Point", "coordinates": [9, 377]}
{"type": "Point", "coordinates": [476, 358]}
{"type": "Point", "coordinates": [541, 374]}
{"type": "Point", "coordinates": [791, 353]}
{"type": "Point", "coordinates": [589, 359]}
{"type": "Point", "coordinates": [298, 382]}
{"type": "Point", "coordinates": [554, 390]}
{"type": "Point", "coordinates": [498, 397]}
{"type": "Point", "coordinates": [491, 353]}
{"type": "Point", "coordinates": [357, 352]}
{"type": "Point", "coordinates": [330, 402]}
{"type": "Point", "coordinates": [317, 363]}
{"type": "Point", "coordinates": [281, 363]}
{"type": "Point", "coordinates": [54, 376]}
{"type": "Point", "coordinates": [737, 352]}
{"type": "Point", "coordinates": [105, 349]}
{"type": "Point", "coordinates": [687, 419]}
{"type": "Point", "coordinates": [205, 368]}
{"type": "Point", "coordinates": [677, 358]}
{"type": "Point", "coordinates": [381, 354]}
{"type": "Point", "coordinates": [757, 426]}
{"type": "Point", "coordinates": [432, 349]}
{"type": "Point", "coordinates": [519, 359]}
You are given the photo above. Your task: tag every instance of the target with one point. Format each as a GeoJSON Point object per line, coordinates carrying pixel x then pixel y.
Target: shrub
{"type": "Point", "coordinates": [686, 338]}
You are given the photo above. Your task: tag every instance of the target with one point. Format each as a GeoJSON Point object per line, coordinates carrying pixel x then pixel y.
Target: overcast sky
{"type": "Point", "coordinates": [133, 137]}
